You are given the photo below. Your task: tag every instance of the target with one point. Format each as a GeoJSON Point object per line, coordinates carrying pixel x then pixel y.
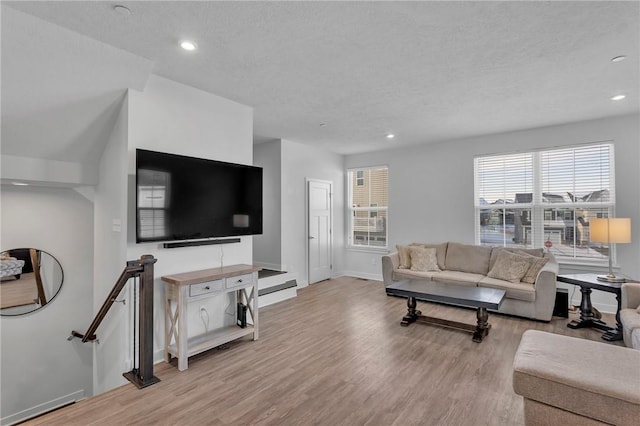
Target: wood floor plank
{"type": "Point", "coordinates": [334, 355]}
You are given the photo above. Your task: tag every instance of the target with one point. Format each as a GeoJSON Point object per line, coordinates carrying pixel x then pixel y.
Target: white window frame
{"type": "Point", "coordinates": [353, 209]}
{"type": "Point", "coordinates": [537, 206]}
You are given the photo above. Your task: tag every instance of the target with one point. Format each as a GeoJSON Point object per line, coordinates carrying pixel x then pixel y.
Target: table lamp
{"type": "Point", "coordinates": [610, 231]}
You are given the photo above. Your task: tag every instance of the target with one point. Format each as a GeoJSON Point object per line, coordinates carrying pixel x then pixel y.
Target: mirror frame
{"type": "Point", "coordinates": [36, 306]}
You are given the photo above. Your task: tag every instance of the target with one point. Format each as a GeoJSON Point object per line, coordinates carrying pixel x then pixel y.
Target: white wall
{"type": "Point", "coordinates": [111, 256]}
{"type": "Point", "coordinates": [174, 118]}
{"type": "Point", "coordinates": [300, 162]}
{"type": "Point", "coordinates": [431, 186]}
{"type": "Point", "coordinates": [40, 369]}
{"type": "Point", "coordinates": [267, 248]}
{"type": "Point", "coordinates": [49, 172]}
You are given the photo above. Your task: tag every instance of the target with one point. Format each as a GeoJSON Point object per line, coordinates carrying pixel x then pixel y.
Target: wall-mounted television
{"type": "Point", "coordinates": [181, 198]}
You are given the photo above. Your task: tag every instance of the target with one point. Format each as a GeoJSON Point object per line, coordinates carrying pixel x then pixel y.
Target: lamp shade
{"type": "Point", "coordinates": [611, 230]}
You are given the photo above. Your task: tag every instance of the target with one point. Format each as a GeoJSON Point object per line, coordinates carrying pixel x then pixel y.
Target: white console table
{"type": "Point", "coordinates": [181, 289]}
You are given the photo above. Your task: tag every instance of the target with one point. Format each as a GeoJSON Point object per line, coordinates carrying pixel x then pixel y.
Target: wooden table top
{"type": "Point", "coordinates": [432, 291]}
{"type": "Point", "coordinates": [590, 281]}
{"type": "Point", "coordinates": [195, 277]}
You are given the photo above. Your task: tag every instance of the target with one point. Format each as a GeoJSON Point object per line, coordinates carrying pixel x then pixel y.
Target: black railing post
{"type": "Point", "coordinates": [143, 268]}
{"type": "Point", "coordinates": [143, 376]}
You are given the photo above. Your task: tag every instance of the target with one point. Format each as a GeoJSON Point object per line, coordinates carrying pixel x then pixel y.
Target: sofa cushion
{"type": "Point", "coordinates": [635, 338]}
{"type": "Point", "coordinates": [496, 251]}
{"type": "Point", "coordinates": [404, 255]}
{"type": "Point", "coordinates": [441, 252]}
{"type": "Point", "coordinates": [509, 267]}
{"type": "Point", "coordinates": [456, 277]}
{"type": "Point", "coordinates": [423, 259]}
{"type": "Point", "coordinates": [399, 274]}
{"type": "Point", "coordinates": [518, 291]}
{"type": "Point", "coordinates": [467, 258]}
{"type": "Point", "coordinates": [630, 318]}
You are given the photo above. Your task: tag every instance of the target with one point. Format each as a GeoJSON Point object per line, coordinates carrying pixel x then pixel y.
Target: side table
{"type": "Point", "coordinates": [587, 283]}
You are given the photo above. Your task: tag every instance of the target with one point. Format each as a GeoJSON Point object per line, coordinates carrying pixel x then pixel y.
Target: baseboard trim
{"type": "Point", "coordinates": [158, 356]}
{"type": "Point", "coordinates": [574, 291]}
{"type": "Point", "coordinates": [363, 275]}
{"type": "Point", "coordinates": [45, 407]}
{"type": "Point", "coordinates": [602, 307]}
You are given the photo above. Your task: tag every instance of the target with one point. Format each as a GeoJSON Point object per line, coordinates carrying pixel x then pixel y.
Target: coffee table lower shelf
{"type": "Point", "coordinates": [480, 330]}
{"type": "Point", "coordinates": [476, 297]}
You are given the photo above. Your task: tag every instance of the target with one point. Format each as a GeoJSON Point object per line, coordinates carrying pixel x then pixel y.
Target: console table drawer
{"type": "Point", "coordinates": [205, 288]}
{"type": "Point", "coordinates": [239, 280]}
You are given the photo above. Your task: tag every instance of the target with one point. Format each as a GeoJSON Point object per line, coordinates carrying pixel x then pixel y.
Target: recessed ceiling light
{"type": "Point", "coordinates": [619, 58]}
{"type": "Point", "coordinates": [188, 45]}
{"type": "Point", "coordinates": [618, 97]}
{"type": "Point", "coordinates": [20, 183]}
{"type": "Point", "coordinates": [390, 136]}
{"type": "Point", "coordinates": [122, 10]}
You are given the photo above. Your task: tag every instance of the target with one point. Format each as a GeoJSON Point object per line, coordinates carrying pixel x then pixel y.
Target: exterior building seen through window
{"type": "Point", "coordinates": [546, 199]}
{"type": "Point", "coordinates": [368, 201]}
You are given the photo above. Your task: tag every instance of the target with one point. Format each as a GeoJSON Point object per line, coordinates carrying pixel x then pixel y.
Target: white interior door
{"type": "Point", "coordinates": [319, 230]}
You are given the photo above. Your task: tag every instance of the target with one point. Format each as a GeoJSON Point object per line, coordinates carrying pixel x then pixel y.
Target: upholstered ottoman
{"type": "Point", "coordinates": [570, 381]}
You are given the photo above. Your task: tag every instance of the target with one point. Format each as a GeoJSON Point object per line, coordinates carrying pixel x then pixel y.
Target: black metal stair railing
{"type": "Point", "coordinates": [143, 269]}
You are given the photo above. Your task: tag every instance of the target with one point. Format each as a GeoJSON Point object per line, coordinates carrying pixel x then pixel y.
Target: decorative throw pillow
{"type": "Point", "coordinates": [423, 259]}
{"type": "Point", "coordinates": [405, 257]}
{"type": "Point", "coordinates": [531, 252]}
{"type": "Point", "coordinates": [496, 251]}
{"type": "Point", "coordinates": [536, 264]}
{"type": "Point", "coordinates": [509, 267]}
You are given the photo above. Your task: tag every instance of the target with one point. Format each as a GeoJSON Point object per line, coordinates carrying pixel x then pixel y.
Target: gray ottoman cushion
{"type": "Point", "coordinates": [592, 379]}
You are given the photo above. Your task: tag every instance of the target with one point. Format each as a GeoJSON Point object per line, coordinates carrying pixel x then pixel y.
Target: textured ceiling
{"type": "Point", "coordinates": [426, 71]}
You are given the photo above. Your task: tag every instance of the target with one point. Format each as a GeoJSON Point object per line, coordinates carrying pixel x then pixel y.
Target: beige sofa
{"type": "Point", "coordinates": [470, 264]}
{"type": "Point", "coordinates": [630, 314]}
{"type": "Point", "coordinates": [570, 381]}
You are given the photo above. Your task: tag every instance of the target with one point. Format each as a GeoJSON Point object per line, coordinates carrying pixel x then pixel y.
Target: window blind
{"type": "Point", "coordinates": [545, 198]}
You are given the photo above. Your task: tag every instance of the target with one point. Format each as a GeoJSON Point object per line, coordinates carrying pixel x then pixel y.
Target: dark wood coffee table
{"type": "Point", "coordinates": [455, 294]}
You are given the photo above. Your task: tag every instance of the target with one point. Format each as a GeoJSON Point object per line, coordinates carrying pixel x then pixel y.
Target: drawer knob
{"type": "Point", "coordinates": [239, 281]}
{"type": "Point", "coordinates": [207, 288]}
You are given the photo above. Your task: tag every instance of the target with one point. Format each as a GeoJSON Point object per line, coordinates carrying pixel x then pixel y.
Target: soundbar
{"type": "Point", "coordinates": [200, 243]}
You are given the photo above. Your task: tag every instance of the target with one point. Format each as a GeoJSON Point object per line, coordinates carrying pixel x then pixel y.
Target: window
{"type": "Point", "coordinates": [368, 187]}
{"type": "Point", "coordinates": [153, 196]}
{"type": "Point", "coordinates": [545, 198]}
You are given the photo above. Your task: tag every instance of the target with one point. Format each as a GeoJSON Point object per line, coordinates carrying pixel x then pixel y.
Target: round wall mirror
{"type": "Point", "coordinates": [30, 280]}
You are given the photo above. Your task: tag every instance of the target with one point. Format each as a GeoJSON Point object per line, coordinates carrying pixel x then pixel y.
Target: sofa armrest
{"type": "Point", "coordinates": [547, 276]}
{"type": "Point", "coordinates": [546, 291]}
{"type": "Point", "coordinates": [630, 295]}
{"type": "Point", "coordinates": [390, 262]}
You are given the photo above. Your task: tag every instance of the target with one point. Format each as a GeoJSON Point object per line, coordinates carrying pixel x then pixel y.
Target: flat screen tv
{"type": "Point", "coordinates": [182, 198]}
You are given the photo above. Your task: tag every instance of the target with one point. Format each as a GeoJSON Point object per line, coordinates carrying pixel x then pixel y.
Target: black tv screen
{"type": "Point", "coordinates": [187, 198]}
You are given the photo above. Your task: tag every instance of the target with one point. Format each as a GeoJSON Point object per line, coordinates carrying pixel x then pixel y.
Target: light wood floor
{"type": "Point", "coordinates": [335, 355]}
{"type": "Point", "coordinates": [18, 292]}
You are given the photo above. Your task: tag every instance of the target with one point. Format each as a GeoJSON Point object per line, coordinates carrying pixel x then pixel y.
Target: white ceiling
{"type": "Point", "coordinates": [426, 71]}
